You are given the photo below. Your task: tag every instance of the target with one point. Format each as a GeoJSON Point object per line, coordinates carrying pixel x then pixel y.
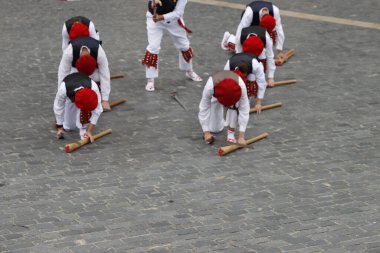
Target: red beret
{"type": "Point", "coordinates": [86, 99]}
{"type": "Point", "coordinates": [253, 45]}
{"type": "Point", "coordinates": [79, 30]}
{"type": "Point", "coordinates": [227, 92]}
{"type": "Point", "coordinates": [86, 64]}
{"type": "Point", "coordinates": [268, 22]}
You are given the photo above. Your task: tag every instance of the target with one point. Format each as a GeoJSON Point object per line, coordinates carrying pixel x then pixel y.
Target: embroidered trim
{"type": "Point", "coordinates": [231, 46]}
{"type": "Point", "coordinates": [273, 36]}
{"type": "Point", "coordinates": [85, 117]}
{"type": "Point", "coordinates": [252, 88]}
{"type": "Point", "coordinates": [150, 60]}
{"type": "Point", "coordinates": [187, 55]}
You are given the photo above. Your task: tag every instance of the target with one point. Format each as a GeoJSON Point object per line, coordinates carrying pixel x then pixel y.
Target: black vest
{"type": "Point", "coordinates": [257, 30]}
{"type": "Point", "coordinates": [167, 6]}
{"type": "Point", "coordinates": [69, 23]}
{"type": "Point", "coordinates": [89, 42]}
{"type": "Point", "coordinates": [74, 81]}
{"type": "Point", "coordinates": [240, 58]}
{"type": "Point", "coordinates": [256, 6]}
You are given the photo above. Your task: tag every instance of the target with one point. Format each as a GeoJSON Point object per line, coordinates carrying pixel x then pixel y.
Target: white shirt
{"type": "Point", "coordinates": [246, 21]}
{"type": "Point", "coordinates": [60, 100]}
{"type": "Point", "coordinates": [65, 69]}
{"type": "Point", "coordinates": [256, 75]}
{"type": "Point", "coordinates": [176, 14]}
{"type": "Point", "coordinates": [66, 38]}
{"type": "Point", "coordinates": [205, 106]}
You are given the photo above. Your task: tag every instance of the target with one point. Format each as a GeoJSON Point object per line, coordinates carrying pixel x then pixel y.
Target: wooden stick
{"type": "Point", "coordinates": [228, 149]}
{"type": "Point", "coordinates": [117, 102]}
{"type": "Point", "coordinates": [281, 60]}
{"type": "Point", "coordinates": [266, 107]}
{"type": "Point", "coordinates": [285, 82]}
{"type": "Point", "coordinates": [290, 53]}
{"type": "Point", "coordinates": [73, 146]}
{"type": "Point", "coordinates": [117, 76]}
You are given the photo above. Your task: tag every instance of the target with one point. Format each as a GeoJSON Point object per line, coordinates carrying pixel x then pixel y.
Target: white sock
{"type": "Point", "coordinates": [230, 134]}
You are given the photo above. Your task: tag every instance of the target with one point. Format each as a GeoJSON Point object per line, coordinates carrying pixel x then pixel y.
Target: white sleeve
{"type": "Point", "coordinates": [245, 21]}
{"type": "Point", "coordinates": [65, 38]}
{"type": "Point", "coordinates": [178, 12]}
{"type": "Point", "coordinates": [258, 71]}
{"type": "Point", "coordinates": [205, 105]}
{"type": "Point", "coordinates": [95, 114]}
{"type": "Point", "coordinates": [271, 67]}
{"type": "Point", "coordinates": [93, 33]}
{"type": "Point", "coordinates": [59, 104]}
{"type": "Point", "coordinates": [64, 68]}
{"type": "Point", "coordinates": [280, 32]}
{"type": "Point", "coordinates": [104, 74]}
{"type": "Point", "coordinates": [243, 107]}
{"type": "Point", "coordinates": [227, 66]}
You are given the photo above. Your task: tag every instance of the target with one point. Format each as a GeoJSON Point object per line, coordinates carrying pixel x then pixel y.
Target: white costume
{"type": "Point", "coordinates": [68, 115]}
{"type": "Point", "coordinates": [266, 55]}
{"type": "Point", "coordinates": [101, 74]}
{"type": "Point", "coordinates": [246, 21]}
{"type": "Point", "coordinates": [66, 39]}
{"type": "Point", "coordinates": [211, 111]}
{"type": "Point", "coordinates": [257, 75]}
{"type": "Point", "coordinates": [179, 37]}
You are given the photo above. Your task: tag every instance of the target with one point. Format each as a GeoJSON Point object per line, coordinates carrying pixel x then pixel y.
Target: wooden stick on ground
{"type": "Point", "coordinates": [285, 82]}
{"type": "Point", "coordinates": [228, 149]}
{"type": "Point", "coordinates": [266, 107]}
{"type": "Point", "coordinates": [73, 146]}
{"type": "Point", "coordinates": [290, 53]}
{"type": "Point", "coordinates": [281, 60]}
{"type": "Point", "coordinates": [117, 102]}
{"type": "Point", "coordinates": [117, 76]}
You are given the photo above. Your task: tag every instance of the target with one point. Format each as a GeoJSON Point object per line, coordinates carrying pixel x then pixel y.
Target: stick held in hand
{"type": "Point", "coordinates": [118, 102]}
{"type": "Point", "coordinates": [74, 146]}
{"type": "Point", "coordinates": [228, 149]}
{"type": "Point", "coordinates": [285, 82]}
{"type": "Point", "coordinates": [266, 107]}
{"type": "Point", "coordinates": [281, 60]}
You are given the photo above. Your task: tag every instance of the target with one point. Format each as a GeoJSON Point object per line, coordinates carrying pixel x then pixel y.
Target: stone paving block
{"type": "Point", "coordinates": [153, 185]}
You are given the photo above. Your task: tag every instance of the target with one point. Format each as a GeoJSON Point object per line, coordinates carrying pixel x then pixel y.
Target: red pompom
{"type": "Point", "coordinates": [86, 64]}
{"type": "Point", "coordinates": [227, 92]}
{"type": "Point", "coordinates": [253, 45]}
{"type": "Point", "coordinates": [86, 99]}
{"type": "Point", "coordinates": [268, 22]}
{"type": "Point", "coordinates": [79, 30]}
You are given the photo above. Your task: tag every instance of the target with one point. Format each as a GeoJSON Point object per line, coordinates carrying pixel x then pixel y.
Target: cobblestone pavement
{"type": "Point", "coordinates": [153, 185]}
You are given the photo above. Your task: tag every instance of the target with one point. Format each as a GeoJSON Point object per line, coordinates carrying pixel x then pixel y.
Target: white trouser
{"type": "Point", "coordinates": [216, 122]}
{"type": "Point", "coordinates": [179, 38]}
{"type": "Point", "coordinates": [231, 118]}
{"type": "Point", "coordinates": [71, 118]}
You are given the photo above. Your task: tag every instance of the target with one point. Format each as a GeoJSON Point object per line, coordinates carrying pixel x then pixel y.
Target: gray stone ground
{"type": "Point", "coordinates": [153, 185]}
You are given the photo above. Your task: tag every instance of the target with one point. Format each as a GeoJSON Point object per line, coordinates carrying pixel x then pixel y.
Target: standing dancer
{"type": "Point", "coordinates": [167, 15]}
